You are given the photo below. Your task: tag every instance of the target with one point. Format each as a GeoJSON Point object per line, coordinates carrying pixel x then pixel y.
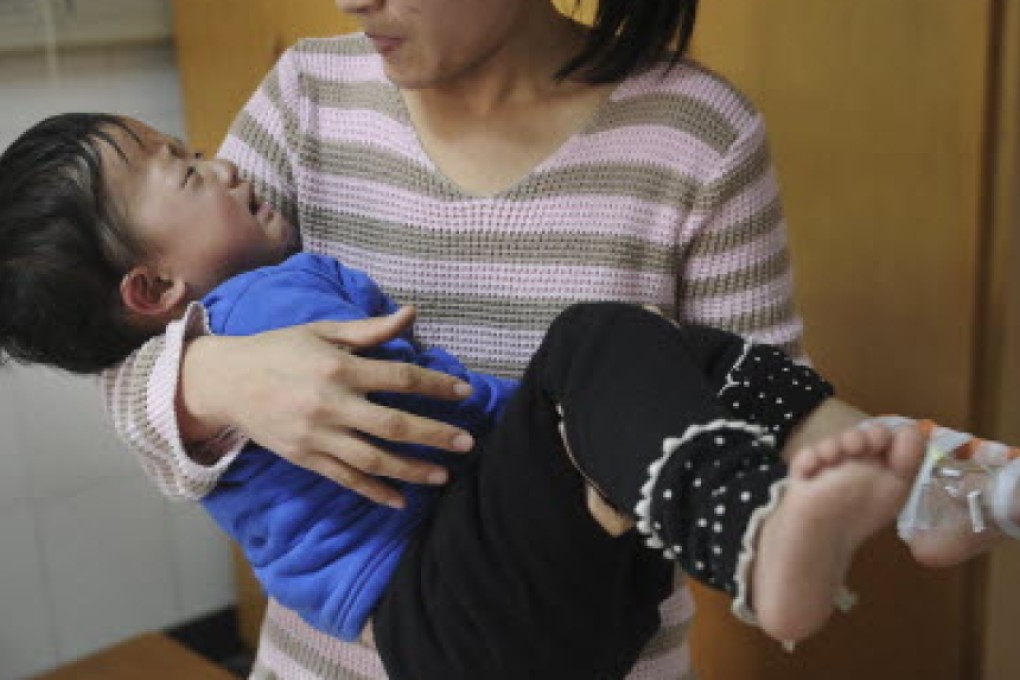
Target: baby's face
{"type": "Point", "coordinates": [194, 218]}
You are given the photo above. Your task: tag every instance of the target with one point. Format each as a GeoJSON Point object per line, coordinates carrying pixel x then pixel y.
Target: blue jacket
{"type": "Point", "coordinates": [317, 548]}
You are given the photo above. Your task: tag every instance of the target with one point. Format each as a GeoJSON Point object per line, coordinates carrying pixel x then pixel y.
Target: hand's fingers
{"type": "Point", "coordinates": [365, 333]}
{"type": "Point", "coordinates": [373, 375]}
{"type": "Point", "coordinates": [355, 452]}
{"type": "Point", "coordinates": [398, 426]}
{"type": "Point", "coordinates": [373, 489]}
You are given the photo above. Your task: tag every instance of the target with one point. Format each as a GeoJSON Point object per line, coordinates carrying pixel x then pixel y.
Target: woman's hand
{"type": "Point", "coordinates": [300, 392]}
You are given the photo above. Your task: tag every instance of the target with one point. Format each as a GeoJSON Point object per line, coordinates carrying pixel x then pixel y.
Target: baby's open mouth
{"type": "Point", "coordinates": [261, 210]}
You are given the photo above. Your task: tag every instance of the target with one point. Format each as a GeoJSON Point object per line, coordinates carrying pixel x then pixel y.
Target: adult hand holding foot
{"type": "Point", "coordinates": [307, 400]}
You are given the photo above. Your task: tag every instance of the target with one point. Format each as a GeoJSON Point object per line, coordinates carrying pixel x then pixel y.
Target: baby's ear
{"type": "Point", "coordinates": [144, 292]}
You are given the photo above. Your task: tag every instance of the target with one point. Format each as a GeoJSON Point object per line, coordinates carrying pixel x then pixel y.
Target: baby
{"type": "Point", "coordinates": [662, 436]}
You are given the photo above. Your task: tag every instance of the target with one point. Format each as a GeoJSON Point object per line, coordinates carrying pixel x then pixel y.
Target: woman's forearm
{"type": "Point", "coordinates": [197, 416]}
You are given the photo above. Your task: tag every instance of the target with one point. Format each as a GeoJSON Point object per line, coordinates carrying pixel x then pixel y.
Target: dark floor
{"type": "Point", "coordinates": [216, 638]}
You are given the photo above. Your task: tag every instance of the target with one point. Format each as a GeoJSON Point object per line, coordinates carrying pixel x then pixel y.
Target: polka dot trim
{"type": "Point", "coordinates": [643, 509]}
{"type": "Point", "coordinates": [767, 388]}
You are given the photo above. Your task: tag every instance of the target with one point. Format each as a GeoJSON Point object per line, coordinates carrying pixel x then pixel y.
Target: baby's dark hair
{"type": "Point", "coordinates": [63, 249]}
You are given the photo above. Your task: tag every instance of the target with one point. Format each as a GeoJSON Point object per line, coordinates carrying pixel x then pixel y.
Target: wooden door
{"type": "Point", "coordinates": [878, 116]}
{"type": "Point", "coordinates": [999, 362]}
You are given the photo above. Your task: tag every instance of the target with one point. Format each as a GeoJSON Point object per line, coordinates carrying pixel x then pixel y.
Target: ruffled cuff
{"type": "Point", "coordinates": [643, 510]}
{"type": "Point", "coordinates": [741, 606]}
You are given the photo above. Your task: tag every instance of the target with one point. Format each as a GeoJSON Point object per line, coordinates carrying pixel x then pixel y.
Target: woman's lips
{"type": "Point", "coordinates": [384, 44]}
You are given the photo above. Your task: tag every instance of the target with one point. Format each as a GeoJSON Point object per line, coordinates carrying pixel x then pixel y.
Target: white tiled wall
{"type": "Point", "coordinates": [89, 552]}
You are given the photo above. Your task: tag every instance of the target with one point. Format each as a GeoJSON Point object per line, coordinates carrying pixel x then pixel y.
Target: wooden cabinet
{"type": "Point", "coordinates": [225, 47]}
{"type": "Point", "coordinates": [894, 127]}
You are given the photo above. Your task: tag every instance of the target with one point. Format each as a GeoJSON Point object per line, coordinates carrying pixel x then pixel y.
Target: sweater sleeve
{"type": "Point", "coordinates": [737, 274]}
{"type": "Point", "coordinates": [140, 397]}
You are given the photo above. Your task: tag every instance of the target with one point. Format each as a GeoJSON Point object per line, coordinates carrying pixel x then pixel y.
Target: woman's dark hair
{"type": "Point", "coordinates": [630, 35]}
{"type": "Point", "coordinates": [62, 250]}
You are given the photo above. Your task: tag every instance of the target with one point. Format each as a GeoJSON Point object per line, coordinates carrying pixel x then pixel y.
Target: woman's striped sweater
{"type": "Point", "coordinates": [667, 196]}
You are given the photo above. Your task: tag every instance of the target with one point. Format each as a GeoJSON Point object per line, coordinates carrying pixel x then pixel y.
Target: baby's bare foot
{"type": "Point", "coordinates": [841, 491]}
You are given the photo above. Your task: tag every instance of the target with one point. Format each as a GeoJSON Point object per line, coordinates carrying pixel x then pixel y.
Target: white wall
{"type": "Point", "coordinates": [89, 552]}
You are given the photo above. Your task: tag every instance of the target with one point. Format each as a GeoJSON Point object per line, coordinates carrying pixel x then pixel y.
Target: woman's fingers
{"type": "Point", "coordinates": [399, 426]}
{"type": "Point", "coordinates": [366, 457]}
{"type": "Point", "coordinates": [370, 375]}
{"type": "Point", "coordinates": [373, 375]}
{"type": "Point", "coordinates": [354, 463]}
{"type": "Point", "coordinates": [373, 489]}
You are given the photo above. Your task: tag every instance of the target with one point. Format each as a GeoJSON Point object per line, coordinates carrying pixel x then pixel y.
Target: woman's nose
{"type": "Point", "coordinates": [358, 6]}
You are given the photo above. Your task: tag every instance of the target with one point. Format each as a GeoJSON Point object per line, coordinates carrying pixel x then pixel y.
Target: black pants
{"type": "Point", "coordinates": [512, 578]}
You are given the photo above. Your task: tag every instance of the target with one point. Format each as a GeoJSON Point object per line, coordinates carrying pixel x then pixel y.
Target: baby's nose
{"type": "Point", "coordinates": [225, 170]}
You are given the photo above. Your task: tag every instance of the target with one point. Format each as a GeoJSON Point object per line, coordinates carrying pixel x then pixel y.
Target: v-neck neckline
{"type": "Point", "coordinates": [520, 184]}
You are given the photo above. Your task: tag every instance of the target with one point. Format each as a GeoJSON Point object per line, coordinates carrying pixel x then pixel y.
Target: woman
{"type": "Point", "coordinates": [490, 162]}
